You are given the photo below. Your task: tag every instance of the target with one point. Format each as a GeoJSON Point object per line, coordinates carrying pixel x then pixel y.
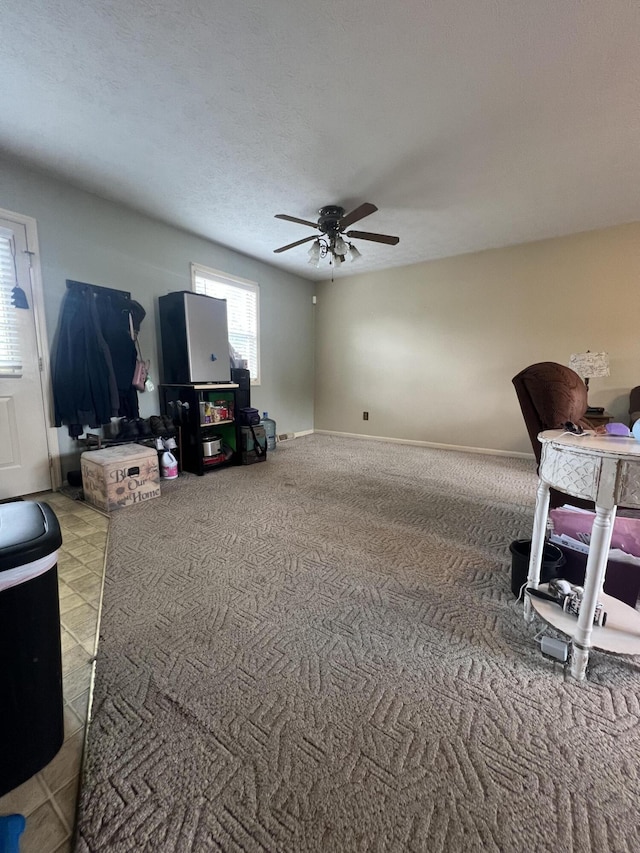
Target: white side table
{"type": "Point", "coordinates": [606, 470]}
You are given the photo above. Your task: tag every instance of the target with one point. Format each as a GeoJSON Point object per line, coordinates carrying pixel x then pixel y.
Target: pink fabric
{"type": "Point", "coordinates": [577, 525]}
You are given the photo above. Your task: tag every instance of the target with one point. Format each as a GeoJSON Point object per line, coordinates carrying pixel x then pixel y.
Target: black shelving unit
{"type": "Point", "coordinates": [183, 404]}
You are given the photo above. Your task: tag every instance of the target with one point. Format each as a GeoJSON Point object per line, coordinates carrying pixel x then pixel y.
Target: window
{"type": "Point", "coordinates": [243, 307]}
{"type": "Point", "coordinates": [10, 356]}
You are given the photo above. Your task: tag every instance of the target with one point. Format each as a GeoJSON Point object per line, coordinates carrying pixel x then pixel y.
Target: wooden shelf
{"type": "Point", "coordinates": [216, 424]}
{"type": "Point", "coordinates": [597, 419]}
{"type": "Point", "coordinates": [210, 386]}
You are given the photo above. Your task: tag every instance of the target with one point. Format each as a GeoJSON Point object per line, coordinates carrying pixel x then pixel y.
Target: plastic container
{"type": "Point", "coordinates": [31, 704]}
{"type": "Point", "coordinates": [168, 466]}
{"type": "Point", "coordinates": [269, 430]}
{"type": "Point", "coordinates": [552, 561]}
{"type": "Point", "coordinates": [11, 828]}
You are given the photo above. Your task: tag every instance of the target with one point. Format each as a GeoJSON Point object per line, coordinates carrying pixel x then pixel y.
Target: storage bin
{"type": "Point", "coordinates": [552, 562]}
{"type": "Point", "coordinates": [572, 534]}
{"type": "Point", "coordinates": [31, 705]}
{"type": "Point", "coordinates": [122, 476]}
{"type": "Point", "coordinates": [622, 580]}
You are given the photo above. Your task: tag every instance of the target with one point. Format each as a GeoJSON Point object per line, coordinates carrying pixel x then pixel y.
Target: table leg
{"type": "Point", "coordinates": [537, 544]}
{"type": "Point", "coordinates": [594, 578]}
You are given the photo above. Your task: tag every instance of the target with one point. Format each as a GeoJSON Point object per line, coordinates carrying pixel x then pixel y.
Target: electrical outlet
{"type": "Point", "coordinates": [365, 416]}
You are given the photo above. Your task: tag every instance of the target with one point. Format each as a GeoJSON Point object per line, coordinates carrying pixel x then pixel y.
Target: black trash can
{"type": "Point", "coordinates": [31, 706]}
{"type": "Point", "coordinates": [552, 561]}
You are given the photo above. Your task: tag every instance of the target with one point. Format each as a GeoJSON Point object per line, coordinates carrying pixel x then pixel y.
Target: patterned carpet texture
{"type": "Point", "coordinates": [322, 653]}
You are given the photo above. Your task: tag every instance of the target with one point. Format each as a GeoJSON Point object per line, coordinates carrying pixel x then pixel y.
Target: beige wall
{"type": "Point", "coordinates": [429, 350]}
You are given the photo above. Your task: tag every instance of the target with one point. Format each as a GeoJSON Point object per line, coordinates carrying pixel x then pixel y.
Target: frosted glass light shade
{"type": "Point", "coordinates": [339, 247]}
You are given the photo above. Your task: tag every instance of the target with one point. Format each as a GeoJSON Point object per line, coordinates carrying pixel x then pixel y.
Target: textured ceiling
{"type": "Point", "coordinates": [469, 123]}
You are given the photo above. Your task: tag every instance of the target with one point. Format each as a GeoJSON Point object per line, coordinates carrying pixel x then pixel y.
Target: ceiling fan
{"type": "Point", "coordinates": [332, 223]}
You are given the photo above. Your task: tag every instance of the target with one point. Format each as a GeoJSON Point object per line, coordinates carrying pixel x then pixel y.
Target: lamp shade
{"type": "Point", "coordinates": [314, 254]}
{"type": "Point", "coordinates": [590, 364]}
{"type": "Point", "coordinates": [339, 246]}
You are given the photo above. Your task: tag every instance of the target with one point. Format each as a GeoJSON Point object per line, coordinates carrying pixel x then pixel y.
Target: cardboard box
{"type": "Point", "coordinates": [121, 476]}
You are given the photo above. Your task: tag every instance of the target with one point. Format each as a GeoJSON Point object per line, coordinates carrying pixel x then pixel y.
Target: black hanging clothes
{"type": "Point", "coordinates": [114, 310]}
{"type": "Point", "coordinates": [82, 375]}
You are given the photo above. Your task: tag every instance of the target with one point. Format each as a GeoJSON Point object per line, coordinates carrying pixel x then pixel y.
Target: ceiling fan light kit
{"type": "Point", "coordinates": [332, 223]}
{"type": "Point", "coordinates": [337, 253]}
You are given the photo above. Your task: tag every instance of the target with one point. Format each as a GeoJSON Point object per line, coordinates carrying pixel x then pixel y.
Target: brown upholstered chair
{"type": "Point", "coordinates": [634, 405]}
{"type": "Point", "coordinates": [551, 394]}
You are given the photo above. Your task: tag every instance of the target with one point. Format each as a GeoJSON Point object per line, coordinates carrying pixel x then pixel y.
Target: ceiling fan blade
{"type": "Point", "coordinates": [365, 209]}
{"type": "Point", "coordinates": [293, 245]}
{"type": "Point", "coordinates": [295, 219]}
{"type": "Point", "coordinates": [376, 238]}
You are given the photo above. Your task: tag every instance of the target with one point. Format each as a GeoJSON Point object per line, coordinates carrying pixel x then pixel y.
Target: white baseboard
{"type": "Point", "coordinates": [436, 445]}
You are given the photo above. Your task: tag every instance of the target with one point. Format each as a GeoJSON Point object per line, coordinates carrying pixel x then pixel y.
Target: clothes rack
{"type": "Point", "coordinates": [97, 288]}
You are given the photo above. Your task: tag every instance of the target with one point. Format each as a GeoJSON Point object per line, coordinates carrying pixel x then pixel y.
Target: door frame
{"type": "Point", "coordinates": [42, 342]}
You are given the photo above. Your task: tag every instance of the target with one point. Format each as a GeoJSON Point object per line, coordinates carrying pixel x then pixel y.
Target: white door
{"type": "Point", "coordinates": [24, 451]}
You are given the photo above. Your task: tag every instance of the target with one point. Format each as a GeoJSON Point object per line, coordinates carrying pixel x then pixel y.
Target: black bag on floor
{"type": "Point", "coordinates": [253, 444]}
{"type": "Point", "coordinates": [249, 416]}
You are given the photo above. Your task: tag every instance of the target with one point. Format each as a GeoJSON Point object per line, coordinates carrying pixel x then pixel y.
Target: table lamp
{"type": "Point", "coordinates": [589, 365]}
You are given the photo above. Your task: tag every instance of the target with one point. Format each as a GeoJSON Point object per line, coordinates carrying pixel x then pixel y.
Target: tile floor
{"type": "Point", "coordinates": [48, 799]}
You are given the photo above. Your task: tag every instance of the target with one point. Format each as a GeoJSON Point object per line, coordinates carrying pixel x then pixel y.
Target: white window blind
{"type": "Point", "coordinates": [243, 311]}
{"type": "Point", "coordinates": [10, 356]}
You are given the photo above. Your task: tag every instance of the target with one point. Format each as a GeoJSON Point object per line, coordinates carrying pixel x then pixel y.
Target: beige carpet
{"type": "Point", "coordinates": [322, 653]}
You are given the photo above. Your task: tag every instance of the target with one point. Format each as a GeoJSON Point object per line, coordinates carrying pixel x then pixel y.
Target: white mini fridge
{"type": "Point", "coordinates": [195, 338]}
